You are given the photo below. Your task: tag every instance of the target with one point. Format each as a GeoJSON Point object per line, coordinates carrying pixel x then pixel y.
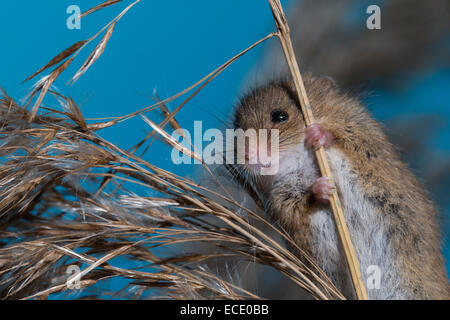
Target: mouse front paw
{"type": "Point", "coordinates": [322, 189]}
{"type": "Point", "coordinates": [317, 136]}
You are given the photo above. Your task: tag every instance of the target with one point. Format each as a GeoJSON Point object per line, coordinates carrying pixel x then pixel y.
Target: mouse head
{"type": "Point", "coordinates": [273, 113]}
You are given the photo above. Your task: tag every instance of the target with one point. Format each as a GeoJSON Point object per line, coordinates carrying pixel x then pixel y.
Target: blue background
{"type": "Point", "coordinates": [168, 45]}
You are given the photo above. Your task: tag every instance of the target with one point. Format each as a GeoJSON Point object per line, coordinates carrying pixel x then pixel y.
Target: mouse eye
{"type": "Point", "coordinates": [279, 116]}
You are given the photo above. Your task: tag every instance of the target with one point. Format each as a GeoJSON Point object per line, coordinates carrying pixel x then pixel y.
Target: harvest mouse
{"type": "Point", "coordinates": [392, 222]}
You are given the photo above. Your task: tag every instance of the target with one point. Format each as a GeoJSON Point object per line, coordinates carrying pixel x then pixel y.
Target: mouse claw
{"type": "Point", "coordinates": [316, 136]}
{"type": "Point", "coordinates": [322, 189]}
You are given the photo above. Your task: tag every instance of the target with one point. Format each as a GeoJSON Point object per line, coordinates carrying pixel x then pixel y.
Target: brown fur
{"type": "Point", "coordinates": [410, 218]}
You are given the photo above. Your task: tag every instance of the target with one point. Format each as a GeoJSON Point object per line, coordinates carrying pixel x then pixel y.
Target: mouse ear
{"type": "Point", "coordinates": [320, 80]}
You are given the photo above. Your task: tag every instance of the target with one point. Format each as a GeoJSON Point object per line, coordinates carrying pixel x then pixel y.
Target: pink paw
{"type": "Point", "coordinates": [316, 136]}
{"type": "Point", "coordinates": [322, 189]}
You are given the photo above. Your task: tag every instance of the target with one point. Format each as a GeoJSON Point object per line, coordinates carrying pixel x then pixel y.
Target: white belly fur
{"type": "Point", "coordinates": [367, 233]}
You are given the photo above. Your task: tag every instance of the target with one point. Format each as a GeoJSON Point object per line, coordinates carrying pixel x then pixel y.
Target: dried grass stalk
{"type": "Point", "coordinates": [99, 7]}
{"type": "Point", "coordinates": [96, 53]}
{"type": "Point", "coordinates": [339, 218]}
{"type": "Point", "coordinates": [52, 217]}
{"type": "Point", "coordinates": [46, 84]}
{"type": "Point", "coordinates": [66, 199]}
{"type": "Point", "coordinates": [60, 57]}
